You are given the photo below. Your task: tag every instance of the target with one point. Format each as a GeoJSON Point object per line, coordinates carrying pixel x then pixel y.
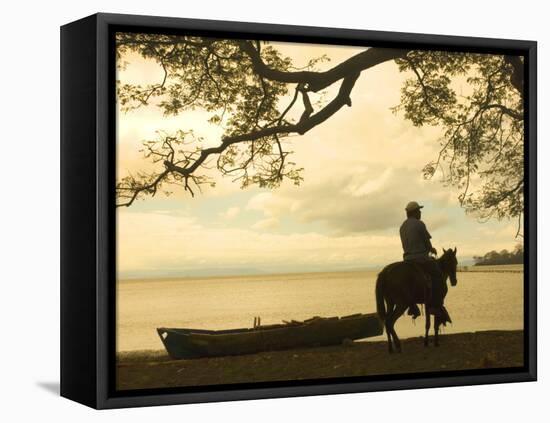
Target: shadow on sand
{"type": "Point", "coordinates": [51, 387]}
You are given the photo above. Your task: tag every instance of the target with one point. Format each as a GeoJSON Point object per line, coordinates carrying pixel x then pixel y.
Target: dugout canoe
{"type": "Point", "coordinates": [314, 332]}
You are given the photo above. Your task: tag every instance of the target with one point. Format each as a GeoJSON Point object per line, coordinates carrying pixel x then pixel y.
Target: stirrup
{"type": "Point", "coordinates": [413, 311]}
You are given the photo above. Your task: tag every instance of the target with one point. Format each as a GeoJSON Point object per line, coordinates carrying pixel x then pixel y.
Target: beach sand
{"type": "Point", "coordinates": [477, 350]}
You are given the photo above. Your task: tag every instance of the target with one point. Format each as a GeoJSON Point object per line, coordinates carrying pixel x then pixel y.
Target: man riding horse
{"type": "Point", "coordinates": [417, 247]}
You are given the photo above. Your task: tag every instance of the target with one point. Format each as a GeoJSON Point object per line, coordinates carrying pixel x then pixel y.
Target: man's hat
{"type": "Point", "coordinates": [412, 206]}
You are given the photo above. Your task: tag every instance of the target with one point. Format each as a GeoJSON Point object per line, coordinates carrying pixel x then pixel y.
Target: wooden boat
{"type": "Point", "coordinates": [314, 332]}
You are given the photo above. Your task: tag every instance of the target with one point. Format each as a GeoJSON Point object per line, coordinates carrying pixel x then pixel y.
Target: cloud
{"type": "Point", "coordinates": [155, 244]}
{"type": "Point", "coordinates": [230, 213]}
{"type": "Point", "coordinates": [159, 243]}
{"type": "Point", "coordinates": [371, 185]}
{"type": "Point", "coordinates": [266, 224]}
{"type": "Point", "coordinates": [361, 202]}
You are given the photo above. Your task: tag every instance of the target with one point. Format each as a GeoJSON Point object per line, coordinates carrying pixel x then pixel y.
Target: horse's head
{"type": "Point", "coordinates": [448, 263]}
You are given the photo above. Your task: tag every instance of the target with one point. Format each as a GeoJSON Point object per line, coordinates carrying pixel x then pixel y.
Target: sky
{"type": "Point", "coordinates": [361, 167]}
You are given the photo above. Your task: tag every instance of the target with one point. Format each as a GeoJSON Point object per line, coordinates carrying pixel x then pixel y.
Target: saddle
{"type": "Point", "coordinates": [423, 277]}
{"type": "Point", "coordinates": [426, 281]}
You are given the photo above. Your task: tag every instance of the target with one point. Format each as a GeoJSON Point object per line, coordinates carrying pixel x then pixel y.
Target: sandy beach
{"type": "Point", "coordinates": [475, 350]}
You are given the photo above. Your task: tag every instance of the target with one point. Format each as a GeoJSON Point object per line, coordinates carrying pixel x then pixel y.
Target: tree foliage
{"type": "Point", "coordinates": [482, 143]}
{"type": "Point", "coordinates": [503, 257]}
{"type": "Point", "coordinates": [244, 84]}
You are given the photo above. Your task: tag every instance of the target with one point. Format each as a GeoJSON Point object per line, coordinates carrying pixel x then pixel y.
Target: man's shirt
{"type": "Point", "coordinates": [415, 239]}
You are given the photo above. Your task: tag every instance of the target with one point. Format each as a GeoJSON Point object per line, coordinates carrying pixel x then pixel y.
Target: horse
{"type": "Point", "coordinates": [402, 285]}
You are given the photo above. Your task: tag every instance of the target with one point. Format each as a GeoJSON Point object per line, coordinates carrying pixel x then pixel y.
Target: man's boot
{"type": "Point", "coordinates": [445, 318]}
{"type": "Point", "coordinates": [441, 314]}
{"type": "Point", "coordinates": [414, 311]}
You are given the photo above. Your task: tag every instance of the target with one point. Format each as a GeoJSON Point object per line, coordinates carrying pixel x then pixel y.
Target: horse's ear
{"type": "Point", "coordinates": [454, 251]}
{"type": "Point", "coordinates": [443, 250]}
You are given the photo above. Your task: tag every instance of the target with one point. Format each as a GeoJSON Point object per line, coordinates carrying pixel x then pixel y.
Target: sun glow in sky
{"type": "Point", "coordinates": [361, 167]}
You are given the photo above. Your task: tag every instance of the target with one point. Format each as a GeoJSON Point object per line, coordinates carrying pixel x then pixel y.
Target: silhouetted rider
{"type": "Point", "coordinates": [417, 247]}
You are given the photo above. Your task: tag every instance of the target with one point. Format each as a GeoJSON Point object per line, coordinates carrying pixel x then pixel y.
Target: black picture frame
{"type": "Point", "coordinates": [88, 212]}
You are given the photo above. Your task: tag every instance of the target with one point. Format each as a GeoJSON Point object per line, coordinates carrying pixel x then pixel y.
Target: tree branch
{"type": "Point", "coordinates": [343, 98]}
{"type": "Point", "coordinates": [316, 81]}
{"type": "Point", "coordinates": [186, 172]}
{"type": "Point", "coordinates": [517, 76]}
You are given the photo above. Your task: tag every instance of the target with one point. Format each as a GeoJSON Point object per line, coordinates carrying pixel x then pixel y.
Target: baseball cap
{"type": "Point", "coordinates": [413, 205]}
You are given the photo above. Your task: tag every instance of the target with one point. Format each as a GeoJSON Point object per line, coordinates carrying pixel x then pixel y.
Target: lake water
{"type": "Point", "coordinates": [480, 301]}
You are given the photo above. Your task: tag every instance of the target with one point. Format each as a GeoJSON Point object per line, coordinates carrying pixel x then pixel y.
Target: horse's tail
{"type": "Point", "coordinates": [380, 305]}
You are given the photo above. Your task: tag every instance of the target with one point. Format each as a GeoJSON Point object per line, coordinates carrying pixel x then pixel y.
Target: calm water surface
{"type": "Point", "coordinates": [480, 301]}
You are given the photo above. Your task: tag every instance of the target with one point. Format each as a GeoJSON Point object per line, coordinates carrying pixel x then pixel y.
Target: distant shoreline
{"type": "Point", "coordinates": [459, 351]}
{"type": "Point", "coordinates": [503, 268]}
{"type": "Point", "coordinates": [490, 271]}
{"type": "Point", "coordinates": [495, 268]}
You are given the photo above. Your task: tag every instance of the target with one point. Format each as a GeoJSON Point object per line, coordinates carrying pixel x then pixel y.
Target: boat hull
{"type": "Point", "coordinates": [194, 343]}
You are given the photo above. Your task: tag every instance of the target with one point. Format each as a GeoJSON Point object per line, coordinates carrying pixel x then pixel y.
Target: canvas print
{"type": "Point", "coordinates": [289, 211]}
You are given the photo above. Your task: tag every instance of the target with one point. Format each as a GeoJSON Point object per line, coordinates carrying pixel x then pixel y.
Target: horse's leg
{"type": "Point", "coordinates": [389, 313]}
{"type": "Point", "coordinates": [437, 322]}
{"type": "Point", "coordinates": [428, 321]}
{"type": "Point", "coordinates": [397, 313]}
